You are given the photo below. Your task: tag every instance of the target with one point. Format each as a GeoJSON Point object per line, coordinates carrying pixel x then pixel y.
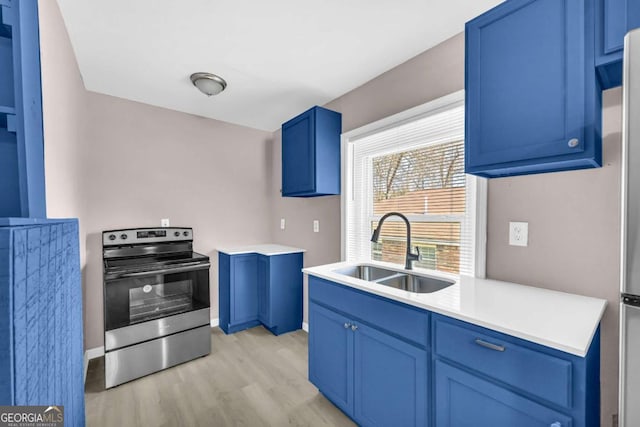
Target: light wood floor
{"type": "Point", "coordinates": [251, 378]}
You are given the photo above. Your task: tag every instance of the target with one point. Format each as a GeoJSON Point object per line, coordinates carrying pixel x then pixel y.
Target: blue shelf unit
{"type": "Point", "coordinates": [533, 103]}
{"type": "Point", "coordinates": [387, 363]}
{"type": "Point", "coordinates": [311, 154]}
{"type": "Point", "coordinates": [41, 356]}
{"type": "Point", "coordinates": [256, 289]}
{"type": "Point", "coordinates": [22, 184]}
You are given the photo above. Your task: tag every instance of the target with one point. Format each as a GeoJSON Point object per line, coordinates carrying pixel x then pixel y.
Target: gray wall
{"type": "Point", "coordinates": [573, 216]}
{"type": "Point", "coordinates": [115, 163]}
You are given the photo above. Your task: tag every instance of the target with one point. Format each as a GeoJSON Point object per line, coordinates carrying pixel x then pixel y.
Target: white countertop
{"type": "Point", "coordinates": [559, 320]}
{"type": "Point", "coordinates": [263, 249]}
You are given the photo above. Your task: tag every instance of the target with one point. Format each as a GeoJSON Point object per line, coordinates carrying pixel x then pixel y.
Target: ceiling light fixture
{"type": "Point", "coordinates": [208, 83]}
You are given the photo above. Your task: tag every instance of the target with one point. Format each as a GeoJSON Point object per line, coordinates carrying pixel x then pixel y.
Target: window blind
{"type": "Point", "coordinates": [415, 167]}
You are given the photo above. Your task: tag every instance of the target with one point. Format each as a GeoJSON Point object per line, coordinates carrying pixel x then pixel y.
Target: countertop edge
{"type": "Point", "coordinates": [576, 351]}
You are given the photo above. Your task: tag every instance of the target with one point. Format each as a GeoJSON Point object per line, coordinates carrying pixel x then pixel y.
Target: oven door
{"type": "Point", "coordinates": [135, 298]}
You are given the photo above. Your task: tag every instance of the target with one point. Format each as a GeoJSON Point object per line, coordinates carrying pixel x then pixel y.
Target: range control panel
{"type": "Point", "coordinates": [135, 236]}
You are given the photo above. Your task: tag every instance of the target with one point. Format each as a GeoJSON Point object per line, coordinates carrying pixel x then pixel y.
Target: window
{"type": "Point", "coordinates": [413, 163]}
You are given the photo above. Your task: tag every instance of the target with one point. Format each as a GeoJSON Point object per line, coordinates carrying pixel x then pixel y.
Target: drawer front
{"type": "Point", "coordinates": [540, 374]}
{"type": "Point", "coordinates": [396, 318]}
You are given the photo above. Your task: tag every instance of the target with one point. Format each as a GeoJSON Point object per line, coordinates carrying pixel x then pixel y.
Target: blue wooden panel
{"type": "Point", "coordinates": [6, 319]}
{"type": "Point", "coordinates": [285, 292]}
{"type": "Point", "coordinates": [535, 372]}
{"type": "Point", "coordinates": [44, 346]}
{"type": "Point", "coordinates": [264, 293]}
{"type": "Point", "coordinates": [390, 380]}
{"type": "Point", "coordinates": [464, 400]}
{"type": "Point", "coordinates": [6, 72]}
{"type": "Point", "coordinates": [328, 130]}
{"type": "Point", "coordinates": [26, 60]}
{"type": "Point", "coordinates": [224, 295]}
{"type": "Point", "coordinates": [9, 175]}
{"type": "Point", "coordinates": [298, 154]}
{"type": "Point", "coordinates": [396, 318]}
{"type": "Point", "coordinates": [530, 89]}
{"type": "Point", "coordinates": [331, 356]}
{"type": "Point", "coordinates": [244, 292]}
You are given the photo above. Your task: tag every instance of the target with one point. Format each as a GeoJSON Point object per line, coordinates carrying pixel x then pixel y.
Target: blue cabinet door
{"type": "Point", "coordinates": [244, 289]}
{"type": "Point", "coordinates": [464, 400]}
{"type": "Point", "coordinates": [311, 154]}
{"type": "Point", "coordinates": [614, 19]}
{"type": "Point", "coordinates": [331, 356]}
{"type": "Point", "coordinates": [264, 293]}
{"type": "Point", "coordinates": [532, 103]}
{"type": "Point", "coordinates": [299, 155]}
{"type": "Point", "coordinates": [390, 380]}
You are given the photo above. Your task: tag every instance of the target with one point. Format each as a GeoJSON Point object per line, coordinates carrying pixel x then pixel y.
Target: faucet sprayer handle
{"type": "Point", "coordinates": [419, 253]}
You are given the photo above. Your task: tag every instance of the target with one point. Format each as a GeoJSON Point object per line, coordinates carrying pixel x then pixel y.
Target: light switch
{"type": "Point", "coordinates": [282, 223]}
{"type": "Point", "coordinates": [316, 226]}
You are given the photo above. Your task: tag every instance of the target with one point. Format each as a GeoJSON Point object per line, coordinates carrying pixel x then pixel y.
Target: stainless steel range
{"type": "Point", "coordinates": [156, 301]}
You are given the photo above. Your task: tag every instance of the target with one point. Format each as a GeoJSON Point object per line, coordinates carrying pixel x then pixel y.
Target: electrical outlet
{"type": "Point", "coordinates": [164, 222]}
{"type": "Point", "coordinates": [518, 233]}
{"type": "Point", "coordinates": [316, 226]}
{"type": "Point", "coordinates": [282, 223]}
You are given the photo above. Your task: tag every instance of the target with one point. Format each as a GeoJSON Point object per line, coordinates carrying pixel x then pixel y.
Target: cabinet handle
{"type": "Point", "coordinates": [491, 346]}
{"type": "Point", "coordinates": [573, 143]}
{"type": "Point", "coordinates": [346, 325]}
{"type": "Point", "coordinates": [556, 424]}
{"type": "Point", "coordinates": [354, 327]}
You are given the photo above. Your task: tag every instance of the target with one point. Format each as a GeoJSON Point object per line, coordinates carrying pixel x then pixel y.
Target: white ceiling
{"type": "Point", "coordinates": [279, 57]}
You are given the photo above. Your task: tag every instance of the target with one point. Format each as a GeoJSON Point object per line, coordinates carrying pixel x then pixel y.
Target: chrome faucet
{"type": "Point", "coordinates": [411, 257]}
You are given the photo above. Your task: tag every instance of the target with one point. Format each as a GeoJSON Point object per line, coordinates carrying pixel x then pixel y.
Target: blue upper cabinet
{"type": "Point", "coordinates": [311, 154]}
{"type": "Point", "coordinates": [614, 19]}
{"type": "Point", "coordinates": [532, 99]}
{"type": "Point", "coordinates": [21, 137]}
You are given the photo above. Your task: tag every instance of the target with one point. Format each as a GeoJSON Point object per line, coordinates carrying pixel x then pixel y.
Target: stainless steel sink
{"type": "Point", "coordinates": [366, 272]}
{"type": "Point", "coordinates": [417, 284]}
{"type": "Point", "coordinates": [396, 279]}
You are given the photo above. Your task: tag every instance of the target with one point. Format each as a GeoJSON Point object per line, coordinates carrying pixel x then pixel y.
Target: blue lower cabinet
{"type": "Point", "coordinates": [466, 400]}
{"type": "Point", "coordinates": [456, 374]}
{"type": "Point", "coordinates": [257, 289]}
{"type": "Point", "coordinates": [331, 356]}
{"type": "Point", "coordinates": [375, 378]}
{"type": "Point", "coordinates": [390, 380]}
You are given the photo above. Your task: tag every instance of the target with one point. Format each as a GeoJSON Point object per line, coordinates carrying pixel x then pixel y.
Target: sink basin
{"type": "Point", "coordinates": [366, 272]}
{"type": "Point", "coordinates": [396, 279]}
{"type": "Point", "coordinates": [417, 284]}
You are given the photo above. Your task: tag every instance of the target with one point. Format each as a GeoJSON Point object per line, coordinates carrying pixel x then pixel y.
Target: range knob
{"type": "Point", "coordinates": [185, 233]}
{"type": "Point", "coordinates": [112, 237]}
{"type": "Point", "coordinates": [176, 233]}
{"type": "Point", "coordinates": [123, 236]}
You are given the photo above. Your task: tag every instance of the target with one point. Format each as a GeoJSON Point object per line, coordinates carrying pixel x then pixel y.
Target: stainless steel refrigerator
{"type": "Point", "coordinates": [630, 272]}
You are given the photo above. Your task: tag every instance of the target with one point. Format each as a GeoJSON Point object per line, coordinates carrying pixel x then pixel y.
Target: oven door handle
{"type": "Point", "coordinates": [184, 269]}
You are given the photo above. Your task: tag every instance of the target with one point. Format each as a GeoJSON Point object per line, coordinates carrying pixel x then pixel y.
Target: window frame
{"type": "Point", "coordinates": [477, 185]}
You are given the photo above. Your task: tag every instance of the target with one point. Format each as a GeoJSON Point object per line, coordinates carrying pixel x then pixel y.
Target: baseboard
{"type": "Point", "coordinates": [305, 327]}
{"type": "Point", "coordinates": [94, 353]}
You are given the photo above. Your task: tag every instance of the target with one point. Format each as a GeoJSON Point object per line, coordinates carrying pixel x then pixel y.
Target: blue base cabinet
{"type": "Point", "coordinates": [311, 154]}
{"type": "Point", "coordinates": [41, 337]}
{"type": "Point", "coordinates": [386, 363]}
{"type": "Point", "coordinates": [532, 98]}
{"type": "Point", "coordinates": [257, 289]}
{"type": "Point", "coordinates": [614, 19]}
{"type": "Point", "coordinates": [359, 362]}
